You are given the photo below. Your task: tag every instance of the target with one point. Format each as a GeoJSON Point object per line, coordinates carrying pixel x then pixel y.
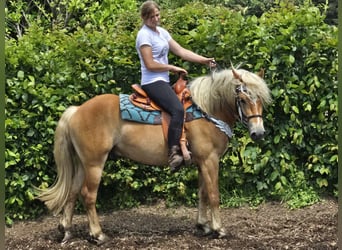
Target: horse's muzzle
{"type": "Point", "coordinates": [257, 135]}
{"type": "Point", "coordinates": [256, 131]}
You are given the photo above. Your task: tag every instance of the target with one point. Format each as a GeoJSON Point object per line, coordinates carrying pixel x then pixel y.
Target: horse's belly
{"type": "Point", "coordinates": [142, 143]}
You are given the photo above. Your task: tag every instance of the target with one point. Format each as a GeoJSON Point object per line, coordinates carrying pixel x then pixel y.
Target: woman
{"type": "Point", "coordinates": [153, 44]}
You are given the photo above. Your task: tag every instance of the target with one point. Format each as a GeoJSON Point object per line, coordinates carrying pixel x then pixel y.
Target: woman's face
{"type": "Point", "coordinates": [153, 20]}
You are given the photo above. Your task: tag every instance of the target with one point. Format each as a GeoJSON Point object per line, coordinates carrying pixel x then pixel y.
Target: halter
{"type": "Point", "coordinates": [243, 117]}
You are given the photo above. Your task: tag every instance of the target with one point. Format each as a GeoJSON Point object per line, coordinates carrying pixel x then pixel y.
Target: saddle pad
{"type": "Point", "coordinates": [131, 112]}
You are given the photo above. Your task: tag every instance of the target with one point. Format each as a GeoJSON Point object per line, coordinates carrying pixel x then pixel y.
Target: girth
{"type": "Point", "coordinates": [140, 99]}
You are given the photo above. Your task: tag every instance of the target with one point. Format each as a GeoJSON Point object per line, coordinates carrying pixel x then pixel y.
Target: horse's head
{"type": "Point", "coordinates": [228, 94]}
{"type": "Point", "coordinates": [249, 104]}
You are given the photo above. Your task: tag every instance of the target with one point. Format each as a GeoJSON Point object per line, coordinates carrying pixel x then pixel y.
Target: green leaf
{"type": "Point", "coordinates": [295, 109]}
{"type": "Point", "coordinates": [322, 182]}
{"type": "Point", "coordinates": [21, 74]}
{"type": "Point", "coordinates": [278, 186]}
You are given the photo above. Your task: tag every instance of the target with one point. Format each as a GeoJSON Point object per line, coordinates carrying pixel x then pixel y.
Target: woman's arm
{"type": "Point", "coordinates": [151, 65]}
{"type": "Point", "coordinates": [188, 55]}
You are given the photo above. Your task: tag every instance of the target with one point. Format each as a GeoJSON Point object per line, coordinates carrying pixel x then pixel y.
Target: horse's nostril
{"type": "Point", "coordinates": [257, 136]}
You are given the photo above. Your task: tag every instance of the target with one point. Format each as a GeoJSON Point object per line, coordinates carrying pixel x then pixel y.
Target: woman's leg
{"type": "Point", "coordinates": [164, 96]}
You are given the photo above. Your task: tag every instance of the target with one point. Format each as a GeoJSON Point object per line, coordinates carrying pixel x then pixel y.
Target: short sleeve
{"type": "Point", "coordinates": [143, 38]}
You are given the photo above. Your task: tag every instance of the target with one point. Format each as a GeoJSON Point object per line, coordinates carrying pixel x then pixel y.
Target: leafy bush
{"type": "Point", "coordinates": [51, 69]}
{"type": "Point", "coordinates": [299, 52]}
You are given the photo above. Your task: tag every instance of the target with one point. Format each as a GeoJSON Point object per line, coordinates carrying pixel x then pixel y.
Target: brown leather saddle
{"type": "Point", "coordinates": [140, 99]}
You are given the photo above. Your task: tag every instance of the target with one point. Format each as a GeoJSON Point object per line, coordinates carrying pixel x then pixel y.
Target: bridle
{"type": "Point", "coordinates": [242, 116]}
{"type": "Point", "coordinates": [239, 89]}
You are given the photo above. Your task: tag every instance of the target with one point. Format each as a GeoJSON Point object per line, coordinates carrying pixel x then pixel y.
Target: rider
{"type": "Point", "coordinates": [153, 44]}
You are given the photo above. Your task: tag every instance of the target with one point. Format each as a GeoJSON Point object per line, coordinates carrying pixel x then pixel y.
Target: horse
{"type": "Point", "coordinates": [88, 134]}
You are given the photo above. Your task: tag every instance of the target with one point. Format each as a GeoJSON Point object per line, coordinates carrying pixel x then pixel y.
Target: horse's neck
{"type": "Point", "coordinates": [226, 112]}
{"type": "Point", "coordinates": [228, 116]}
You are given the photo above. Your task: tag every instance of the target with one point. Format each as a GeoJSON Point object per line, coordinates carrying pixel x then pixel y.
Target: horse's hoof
{"type": "Point", "coordinates": [218, 234]}
{"type": "Point", "coordinates": [209, 232]}
{"type": "Point", "coordinates": [221, 233]}
{"type": "Point", "coordinates": [67, 237]}
{"type": "Point", "coordinates": [204, 228]}
{"type": "Point", "coordinates": [100, 240]}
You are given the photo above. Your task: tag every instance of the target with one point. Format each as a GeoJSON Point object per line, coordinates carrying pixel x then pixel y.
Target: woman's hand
{"type": "Point", "coordinates": [179, 70]}
{"type": "Point", "coordinates": [210, 62]}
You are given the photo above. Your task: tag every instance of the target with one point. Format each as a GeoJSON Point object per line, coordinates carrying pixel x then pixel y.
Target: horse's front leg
{"type": "Point", "coordinates": [89, 195]}
{"type": "Point", "coordinates": [209, 172]}
{"type": "Point", "coordinates": [202, 214]}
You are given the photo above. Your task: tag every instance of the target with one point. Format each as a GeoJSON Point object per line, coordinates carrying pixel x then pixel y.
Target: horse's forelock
{"type": "Point", "coordinates": [256, 86]}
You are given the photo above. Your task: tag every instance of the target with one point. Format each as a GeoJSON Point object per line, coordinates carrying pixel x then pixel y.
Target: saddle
{"type": "Point", "coordinates": [140, 99]}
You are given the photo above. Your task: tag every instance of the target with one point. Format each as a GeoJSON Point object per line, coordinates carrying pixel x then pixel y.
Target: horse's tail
{"type": "Point", "coordinates": [68, 166]}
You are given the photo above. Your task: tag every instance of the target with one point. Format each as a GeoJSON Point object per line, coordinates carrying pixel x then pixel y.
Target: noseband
{"type": "Point", "coordinates": [242, 116]}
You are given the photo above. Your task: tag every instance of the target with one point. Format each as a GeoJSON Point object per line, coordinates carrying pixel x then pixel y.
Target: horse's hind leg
{"type": "Point", "coordinates": [68, 210]}
{"type": "Point", "coordinates": [89, 195]}
{"type": "Point", "coordinates": [66, 220]}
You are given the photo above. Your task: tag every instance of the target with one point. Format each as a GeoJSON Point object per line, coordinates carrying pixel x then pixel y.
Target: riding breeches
{"type": "Point", "coordinates": [164, 96]}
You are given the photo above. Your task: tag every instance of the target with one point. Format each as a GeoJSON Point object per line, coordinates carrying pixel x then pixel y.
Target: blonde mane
{"type": "Point", "coordinates": [217, 91]}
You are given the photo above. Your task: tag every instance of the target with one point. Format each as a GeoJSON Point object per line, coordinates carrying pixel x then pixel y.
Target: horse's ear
{"type": "Point", "coordinates": [236, 74]}
{"type": "Point", "coordinates": [261, 73]}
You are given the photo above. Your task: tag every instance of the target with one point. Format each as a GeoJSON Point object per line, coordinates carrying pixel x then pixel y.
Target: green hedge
{"type": "Point", "coordinates": [50, 69]}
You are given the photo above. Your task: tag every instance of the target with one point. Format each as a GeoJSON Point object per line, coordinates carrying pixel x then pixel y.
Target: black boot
{"type": "Point", "coordinates": [175, 158]}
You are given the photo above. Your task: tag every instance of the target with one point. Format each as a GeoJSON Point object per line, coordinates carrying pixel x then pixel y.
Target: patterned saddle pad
{"type": "Point", "coordinates": [131, 112]}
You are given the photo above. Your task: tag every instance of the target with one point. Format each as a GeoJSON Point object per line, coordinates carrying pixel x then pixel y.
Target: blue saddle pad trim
{"type": "Point", "coordinates": [131, 112]}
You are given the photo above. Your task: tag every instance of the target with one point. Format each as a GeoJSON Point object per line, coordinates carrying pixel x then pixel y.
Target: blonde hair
{"type": "Point", "coordinates": [147, 8]}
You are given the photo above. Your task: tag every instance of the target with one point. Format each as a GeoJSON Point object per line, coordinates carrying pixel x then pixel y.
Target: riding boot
{"type": "Point", "coordinates": [175, 158]}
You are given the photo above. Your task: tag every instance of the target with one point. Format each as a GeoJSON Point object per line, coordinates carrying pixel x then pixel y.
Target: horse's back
{"type": "Point", "coordinates": [101, 102]}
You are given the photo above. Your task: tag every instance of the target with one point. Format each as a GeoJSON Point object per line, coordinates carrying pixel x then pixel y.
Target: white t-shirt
{"type": "Point", "coordinates": [159, 43]}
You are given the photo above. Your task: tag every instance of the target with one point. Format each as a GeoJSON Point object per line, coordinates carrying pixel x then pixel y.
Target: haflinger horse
{"type": "Point", "coordinates": [87, 134]}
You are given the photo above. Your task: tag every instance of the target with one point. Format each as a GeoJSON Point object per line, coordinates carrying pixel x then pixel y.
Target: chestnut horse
{"type": "Point", "coordinates": [87, 134]}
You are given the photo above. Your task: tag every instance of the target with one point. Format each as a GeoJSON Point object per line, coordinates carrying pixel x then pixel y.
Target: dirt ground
{"type": "Point", "coordinates": [270, 226]}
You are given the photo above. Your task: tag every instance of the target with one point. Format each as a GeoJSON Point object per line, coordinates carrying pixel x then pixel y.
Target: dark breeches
{"type": "Point", "coordinates": [163, 95]}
